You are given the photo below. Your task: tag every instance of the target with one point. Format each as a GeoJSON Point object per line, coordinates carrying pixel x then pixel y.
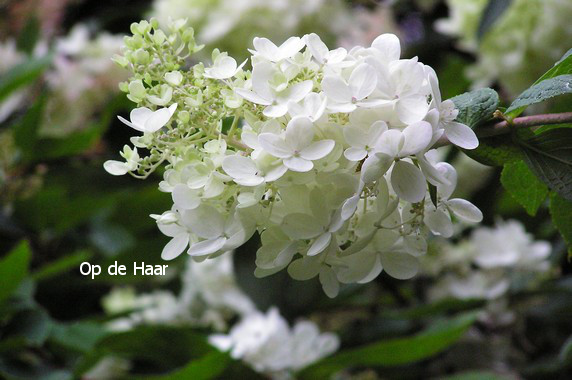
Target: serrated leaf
{"type": "Point", "coordinates": [476, 107]}
{"type": "Point", "coordinates": [13, 269]}
{"type": "Point", "coordinates": [493, 11]}
{"type": "Point", "coordinates": [524, 186]}
{"type": "Point", "coordinates": [549, 156]}
{"type": "Point", "coordinates": [562, 67]}
{"type": "Point", "coordinates": [561, 212]}
{"type": "Point", "coordinates": [548, 88]}
{"type": "Point", "coordinates": [395, 352]}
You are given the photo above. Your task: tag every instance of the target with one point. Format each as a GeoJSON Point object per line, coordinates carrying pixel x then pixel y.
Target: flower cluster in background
{"type": "Point", "coordinates": [330, 164]}
{"type": "Point", "coordinates": [488, 265]}
{"type": "Point", "coordinates": [210, 297]}
{"type": "Point", "coordinates": [525, 42]}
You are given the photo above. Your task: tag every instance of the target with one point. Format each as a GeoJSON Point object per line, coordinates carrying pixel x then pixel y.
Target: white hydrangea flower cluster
{"type": "Point", "coordinates": [329, 164]}
{"type": "Point", "coordinates": [522, 44]}
{"type": "Point", "coordinates": [209, 296]}
{"type": "Point", "coordinates": [269, 345]}
{"type": "Point", "coordinates": [486, 265]}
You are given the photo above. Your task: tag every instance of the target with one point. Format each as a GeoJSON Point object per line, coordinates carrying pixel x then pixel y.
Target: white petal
{"type": "Point", "coordinates": [275, 173]}
{"type": "Point", "coordinates": [317, 48]}
{"type": "Point", "coordinates": [336, 89]}
{"type": "Point", "coordinates": [274, 145]}
{"type": "Point", "coordinates": [461, 135]}
{"type": "Point", "coordinates": [408, 182]}
{"type": "Point", "coordinates": [252, 96]}
{"type": "Point", "coordinates": [412, 109]}
{"type": "Point", "coordinates": [399, 265]}
{"type": "Point", "coordinates": [374, 167]}
{"type": "Point", "coordinates": [301, 226]}
{"type": "Point", "coordinates": [355, 154]}
{"type": "Point", "coordinates": [317, 150]}
{"type": "Point", "coordinates": [290, 47]}
{"type": "Point", "coordinates": [175, 246]}
{"type": "Point", "coordinates": [157, 120]}
{"type": "Point", "coordinates": [320, 244]}
{"type": "Point", "coordinates": [266, 48]}
{"type": "Point", "coordinates": [239, 167]}
{"type": "Point", "coordinates": [206, 247]}
{"type": "Point", "coordinates": [185, 198]}
{"type": "Point", "coordinates": [439, 222]}
{"type": "Point", "coordinates": [130, 124]}
{"type": "Point", "coordinates": [416, 137]}
{"type": "Point", "coordinates": [115, 167]}
{"type": "Point", "coordinates": [298, 164]}
{"type": "Point", "coordinates": [275, 111]}
{"type": "Point", "coordinates": [388, 45]}
{"type": "Point", "coordinates": [204, 221]}
{"type": "Point", "coordinates": [465, 210]}
{"type": "Point", "coordinates": [297, 92]}
{"type": "Point", "coordinates": [329, 282]}
{"type": "Point", "coordinates": [139, 116]}
{"type": "Point", "coordinates": [299, 133]}
{"type": "Point", "coordinates": [304, 269]}
{"type": "Point", "coordinates": [362, 81]}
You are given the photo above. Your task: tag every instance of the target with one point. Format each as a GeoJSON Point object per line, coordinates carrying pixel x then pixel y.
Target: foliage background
{"type": "Point", "coordinates": [60, 208]}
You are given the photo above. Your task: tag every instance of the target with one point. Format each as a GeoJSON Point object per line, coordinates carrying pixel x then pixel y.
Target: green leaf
{"type": "Point", "coordinates": [548, 88]}
{"type": "Point", "coordinates": [561, 212]}
{"type": "Point", "coordinates": [476, 107]}
{"type": "Point", "coordinates": [28, 37]}
{"type": "Point", "coordinates": [13, 269]}
{"type": "Point", "coordinates": [208, 367]}
{"type": "Point", "coordinates": [524, 186]}
{"type": "Point", "coordinates": [549, 156]}
{"type": "Point", "coordinates": [475, 375]}
{"type": "Point", "coordinates": [398, 351]}
{"type": "Point", "coordinates": [562, 67]}
{"type": "Point", "coordinates": [26, 130]}
{"type": "Point", "coordinates": [495, 151]}
{"type": "Point", "coordinates": [61, 265]}
{"type": "Point", "coordinates": [493, 11]}
{"type": "Point", "coordinates": [22, 75]}
{"type": "Point", "coordinates": [31, 327]}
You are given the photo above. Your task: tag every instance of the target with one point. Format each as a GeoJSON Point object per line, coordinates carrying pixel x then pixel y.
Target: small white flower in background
{"type": "Point", "coordinates": [326, 153]}
{"type": "Point", "coordinates": [145, 120]}
{"type": "Point", "coordinates": [269, 345]}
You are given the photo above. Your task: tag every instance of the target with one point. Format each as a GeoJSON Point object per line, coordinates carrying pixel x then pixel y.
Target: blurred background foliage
{"type": "Point", "coordinates": [58, 208]}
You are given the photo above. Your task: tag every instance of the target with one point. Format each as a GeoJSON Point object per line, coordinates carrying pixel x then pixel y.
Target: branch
{"type": "Point", "coordinates": [504, 127]}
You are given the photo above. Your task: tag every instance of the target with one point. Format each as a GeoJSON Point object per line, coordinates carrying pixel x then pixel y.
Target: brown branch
{"type": "Point", "coordinates": [503, 127]}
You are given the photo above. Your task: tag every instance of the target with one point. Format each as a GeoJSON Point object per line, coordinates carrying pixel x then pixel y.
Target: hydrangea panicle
{"type": "Point", "coordinates": [326, 153]}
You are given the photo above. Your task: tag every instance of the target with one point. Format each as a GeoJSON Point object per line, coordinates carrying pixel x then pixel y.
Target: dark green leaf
{"type": "Point", "coordinates": [561, 212]}
{"type": "Point", "coordinates": [61, 265]}
{"type": "Point", "coordinates": [542, 91]}
{"type": "Point", "coordinates": [524, 186]}
{"type": "Point", "coordinates": [79, 336]}
{"type": "Point", "coordinates": [26, 130]}
{"type": "Point", "coordinates": [493, 11]}
{"type": "Point", "coordinates": [208, 367]}
{"type": "Point", "coordinates": [31, 326]}
{"type": "Point", "coordinates": [477, 106]}
{"type": "Point", "coordinates": [549, 156]}
{"type": "Point", "coordinates": [562, 67]}
{"type": "Point", "coordinates": [495, 151]}
{"type": "Point", "coordinates": [29, 35]}
{"type": "Point", "coordinates": [396, 352]}
{"type": "Point", "coordinates": [475, 375]}
{"type": "Point", "coordinates": [13, 269]}
{"type": "Point", "coordinates": [22, 75]}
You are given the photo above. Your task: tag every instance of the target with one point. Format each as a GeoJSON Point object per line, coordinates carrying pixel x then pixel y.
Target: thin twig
{"type": "Point", "coordinates": [503, 127]}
